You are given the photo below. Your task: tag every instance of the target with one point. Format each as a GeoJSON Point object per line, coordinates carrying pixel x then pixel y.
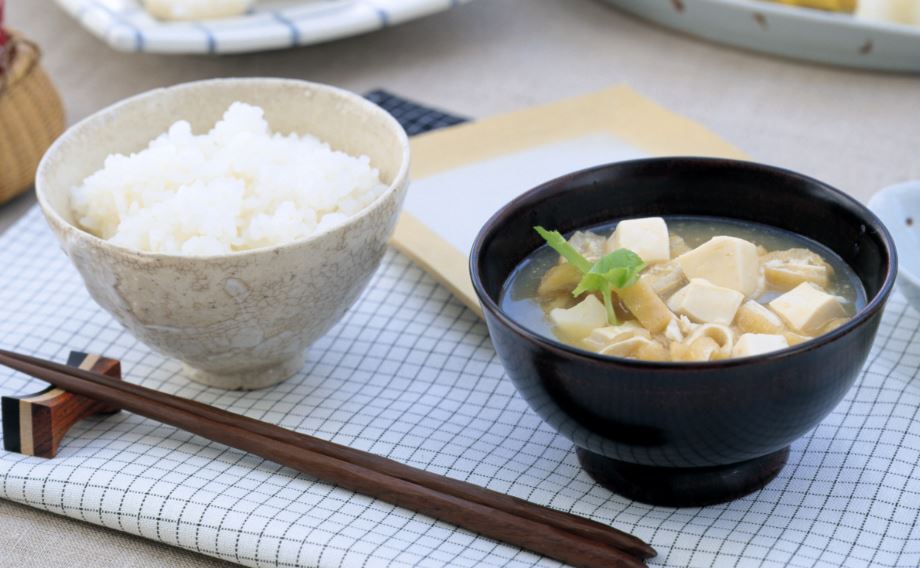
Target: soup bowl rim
{"type": "Point", "coordinates": [873, 305]}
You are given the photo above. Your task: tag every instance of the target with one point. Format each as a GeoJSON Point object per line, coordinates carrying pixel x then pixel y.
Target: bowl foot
{"type": "Point", "coordinates": [683, 486]}
{"type": "Point", "coordinates": [250, 379]}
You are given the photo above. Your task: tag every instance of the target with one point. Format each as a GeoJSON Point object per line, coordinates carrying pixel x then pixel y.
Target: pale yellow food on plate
{"type": "Point", "coordinates": [894, 11]}
{"type": "Point", "coordinates": [196, 9]}
{"type": "Point", "coordinates": [889, 11]}
{"type": "Point", "coordinates": [830, 5]}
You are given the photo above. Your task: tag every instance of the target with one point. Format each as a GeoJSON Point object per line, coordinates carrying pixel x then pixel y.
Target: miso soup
{"type": "Point", "coordinates": [682, 289]}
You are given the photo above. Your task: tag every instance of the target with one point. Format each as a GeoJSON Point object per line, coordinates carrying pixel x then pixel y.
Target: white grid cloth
{"type": "Point", "coordinates": [410, 374]}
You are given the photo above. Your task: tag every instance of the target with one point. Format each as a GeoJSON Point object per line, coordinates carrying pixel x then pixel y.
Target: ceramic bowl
{"type": "Point", "coordinates": [682, 434]}
{"type": "Point", "coordinates": [242, 320]}
{"type": "Point", "coordinates": [898, 206]}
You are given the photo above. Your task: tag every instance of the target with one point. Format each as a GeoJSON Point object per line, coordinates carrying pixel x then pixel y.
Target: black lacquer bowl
{"type": "Point", "coordinates": [684, 434]}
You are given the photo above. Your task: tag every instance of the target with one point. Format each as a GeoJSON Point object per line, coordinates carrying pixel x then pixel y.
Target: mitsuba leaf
{"type": "Point", "coordinates": [558, 243]}
{"type": "Point", "coordinates": [619, 269]}
{"type": "Point", "coordinates": [615, 271]}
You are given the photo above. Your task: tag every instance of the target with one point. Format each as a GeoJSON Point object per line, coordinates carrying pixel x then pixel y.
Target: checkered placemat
{"type": "Point", "coordinates": [410, 374]}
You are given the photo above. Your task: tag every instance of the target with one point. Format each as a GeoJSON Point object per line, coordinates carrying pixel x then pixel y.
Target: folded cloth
{"type": "Point", "coordinates": [409, 373]}
{"type": "Point", "coordinates": [415, 118]}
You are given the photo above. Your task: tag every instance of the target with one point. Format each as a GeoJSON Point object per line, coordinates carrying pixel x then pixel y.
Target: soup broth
{"type": "Point", "coordinates": [714, 289]}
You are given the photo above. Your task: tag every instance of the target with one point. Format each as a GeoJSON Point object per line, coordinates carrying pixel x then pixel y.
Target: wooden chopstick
{"type": "Point", "coordinates": [572, 523]}
{"type": "Point", "coordinates": [481, 517]}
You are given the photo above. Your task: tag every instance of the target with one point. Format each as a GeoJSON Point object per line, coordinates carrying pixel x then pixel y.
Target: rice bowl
{"type": "Point", "coordinates": [238, 320]}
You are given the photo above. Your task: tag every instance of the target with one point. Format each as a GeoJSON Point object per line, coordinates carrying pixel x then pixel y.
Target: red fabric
{"type": "Point", "coordinates": [4, 37]}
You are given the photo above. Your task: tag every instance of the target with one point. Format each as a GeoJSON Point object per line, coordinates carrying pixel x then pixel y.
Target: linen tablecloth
{"type": "Point", "coordinates": [409, 373]}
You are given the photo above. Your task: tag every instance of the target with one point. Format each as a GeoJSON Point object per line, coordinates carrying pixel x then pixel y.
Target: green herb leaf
{"type": "Point", "coordinates": [558, 243]}
{"type": "Point", "coordinates": [619, 269]}
{"type": "Point", "coordinates": [608, 305]}
{"type": "Point", "coordinates": [615, 271]}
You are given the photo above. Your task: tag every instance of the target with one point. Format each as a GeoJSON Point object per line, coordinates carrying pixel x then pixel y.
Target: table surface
{"type": "Point", "coordinates": [857, 130]}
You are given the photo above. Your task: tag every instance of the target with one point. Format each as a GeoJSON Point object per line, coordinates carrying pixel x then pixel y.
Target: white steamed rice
{"type": "Point", "coordinates": [238, 187]}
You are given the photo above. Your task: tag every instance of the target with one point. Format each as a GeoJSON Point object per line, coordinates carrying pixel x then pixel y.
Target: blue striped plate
{"type": "Point", "coordinates": [271, 24]}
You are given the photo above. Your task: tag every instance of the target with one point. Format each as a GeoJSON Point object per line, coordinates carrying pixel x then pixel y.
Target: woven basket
{"type": "Point", "coordinates": [31, 117]}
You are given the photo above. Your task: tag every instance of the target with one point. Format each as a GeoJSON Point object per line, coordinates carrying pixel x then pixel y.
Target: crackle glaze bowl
{"type": "Point", "coordinates": [241, 320]}
{"type": "Point", "coordinates": [684, 434]}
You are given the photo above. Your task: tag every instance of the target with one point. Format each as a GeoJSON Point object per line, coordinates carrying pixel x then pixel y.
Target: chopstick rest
{"type": "Point", "coordinates": [34, 425]}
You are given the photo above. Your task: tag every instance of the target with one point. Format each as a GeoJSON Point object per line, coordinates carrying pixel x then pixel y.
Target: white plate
{"type": "Point", "coordinates": [789, 31]}
{"type": "Point", "coordinates": [898, 206]}
{"type": "Point", "coordinates": [272, 24]}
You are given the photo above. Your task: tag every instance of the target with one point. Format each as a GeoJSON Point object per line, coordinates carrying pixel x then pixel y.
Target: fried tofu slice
{"type": "Point", "coordinates": [642, 301]}
{"type": "Point", "coordinates": [753, 317]}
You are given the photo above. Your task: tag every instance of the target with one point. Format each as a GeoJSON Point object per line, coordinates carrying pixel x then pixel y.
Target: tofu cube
{"type": "Point", "coordinates": [757, 343]}
{"type": "Point", "coordinates": [725, 261]}
{"type": "Point", "coordinates": [704, 302]}
{"type": "Point", "coordinates": [647, 237]}
{"type": "Point", "coordinates": [581, 319]}
{"type": "Point", "coordinates": [806, 308]}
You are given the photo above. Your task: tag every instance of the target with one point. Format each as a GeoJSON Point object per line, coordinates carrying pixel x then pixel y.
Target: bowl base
{"type": "Point", "coordinates": [683, 486]}
{"type": "Point", "coordinates": [251, 379]}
